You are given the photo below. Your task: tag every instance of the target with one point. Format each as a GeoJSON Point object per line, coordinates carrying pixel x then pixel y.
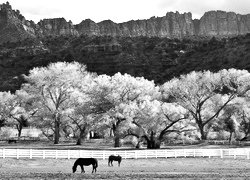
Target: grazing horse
{"type": "Point", "coordinates": [85, 162]}
{"type": "Point", "coordinates": [114, 158]}
{"type": "Point", "coordinates": [11, 141]}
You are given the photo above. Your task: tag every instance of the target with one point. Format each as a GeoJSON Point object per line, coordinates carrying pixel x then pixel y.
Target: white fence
{"type": "Point", "coordinates": [126, 154]}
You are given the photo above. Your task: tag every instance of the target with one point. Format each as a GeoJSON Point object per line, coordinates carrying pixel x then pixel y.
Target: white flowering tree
{"type": "Point", "coordinates": [120, 90]}
{"type": "Point", "coordinates": [153, 120]}
{"type": "Point", "coordinates": [206, 94]}
{"type": "Point", "coordinates": [52, 88]}
{"type": "Point", "coordinates": [88, 105]}
{"type": "Point", "coordinates": [6, 99]}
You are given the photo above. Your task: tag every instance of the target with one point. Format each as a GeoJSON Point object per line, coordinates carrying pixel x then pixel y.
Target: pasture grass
{"type": "Point", "coordinates": [162, 168]}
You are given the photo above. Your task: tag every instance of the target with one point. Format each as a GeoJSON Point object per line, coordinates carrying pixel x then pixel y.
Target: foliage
{"type": "Point", "coordinates": [206, 94]}
{"type": "Point", "coordinates": [65, 99]}
{"type": "Point", "coordinates": [158, 59]}
{"type": "Point", "coordinates": [122, 90]}
{"type": "Point", "coordinates": [6, 99]}
{"type": "Point", "coordinates": [51, 89]}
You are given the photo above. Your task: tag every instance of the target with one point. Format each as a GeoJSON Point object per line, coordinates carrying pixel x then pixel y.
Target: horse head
{"type": "Point", "coordinates": [74, 168]}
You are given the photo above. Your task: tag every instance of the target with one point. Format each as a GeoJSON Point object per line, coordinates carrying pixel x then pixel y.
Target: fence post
{"type": "Point", "coordinates": [80, 154]}
{"type": "Point", "coordinates": [30, 153]}
{"type": "Point", "coordinates": [56, 154]}
{"type": "Point", "coordinates": [3, 153]}
{"type": "Point", "coordinates": [185, 153]}
{"type": "Point", "coordinates": [194, 152]}
{"type": "Point", "coordinates": [43, 154]}
{"type": "Point", "coordinates": [166, 153]}
{"type": "Point", "coordinates": [136, 155]}
{"type": "Point", "coordinates": [247, 154]}
{"type": "Point", "coordinates": [234, 153]}
{"type": "Point", "coordinates": [103, 154]}
{"type": "Point", "coordinates": [17, 153]}
{"type": "Point", "coordinates": [68, 154]}
{"type": "Point", "coordinates": [221, 153]}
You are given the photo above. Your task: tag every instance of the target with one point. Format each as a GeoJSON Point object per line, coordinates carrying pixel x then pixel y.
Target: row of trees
{"type": "Point", "coordinates": [64, 98]}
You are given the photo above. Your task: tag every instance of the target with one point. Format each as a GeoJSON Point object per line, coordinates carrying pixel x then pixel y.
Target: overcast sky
{"type": "Point", "coordinates": [120, 10]}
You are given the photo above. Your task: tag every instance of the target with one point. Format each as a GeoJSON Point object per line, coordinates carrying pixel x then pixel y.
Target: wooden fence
{"type": "Point", "coordinates": [126, 154]}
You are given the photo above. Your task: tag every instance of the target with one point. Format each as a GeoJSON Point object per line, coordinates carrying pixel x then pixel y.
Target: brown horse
{"type": "Point", "coordinates": [85, 162]}
{"type": "Point", "coordinates": [114, 158]}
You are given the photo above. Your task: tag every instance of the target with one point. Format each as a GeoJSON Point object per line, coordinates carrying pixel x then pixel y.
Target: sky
{"type": "Point", "coordinates": [120, 11]}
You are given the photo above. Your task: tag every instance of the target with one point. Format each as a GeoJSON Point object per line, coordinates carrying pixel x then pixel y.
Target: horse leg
{"type": "Point", "coordinates": [111, 162]}
{"type": "Point", "coordinates": [82, 169]}
{"type": "Point", "coordinates": [119, 163]}
{"type": "Point", "coordinates": [94, 168]}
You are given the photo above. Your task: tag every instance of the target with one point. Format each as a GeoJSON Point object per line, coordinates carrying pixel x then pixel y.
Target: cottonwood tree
{"type": "Point", "coordinates": [154, 120]}
{"type": "Point", "coordinates": [206, 94]}
{"type": "Point", "coordinates": [228, 120]}
{"type": "Point", "coordinates": [242, 114]}
{"type": "Point", "coordinates": [21, 113]}
{"type": "Point", "coordinates": [52, 88]}
{"type": "Point", "coordinates": [90, 105]}
{"type": "Point", "coordinates": [121, 90]}
{"type": "Point", "coordinates": [6, 99]}
{"type": "Point", "coordinates": [84, 116]}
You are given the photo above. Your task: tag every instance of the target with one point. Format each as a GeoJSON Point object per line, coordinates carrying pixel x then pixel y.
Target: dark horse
{"type": "Point", "coordinates": [11, 141]}
{"type": "Point", "coordinates": [85, 162]}
{"type": "Point", "coordinates": [114, 158]}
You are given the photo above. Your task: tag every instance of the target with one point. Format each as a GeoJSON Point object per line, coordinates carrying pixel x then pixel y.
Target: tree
{"type": "Point", "coordinates": [120, 90]}
{"type": "Point", "coordinates": [243, 117]}
{"type": "Point", "coordinates": [154, 120]}
{"type": "Point", "coordinates": [89, 105]}
{"type": "Point", "coordinates": [227, 121]}
{"type": "Point", "coordinates": [51, 89]}
{"type": "Point", "coordinates": [206, 94]}
{"type": "Point", "coordinates": [21, 112]}
{"type": "Point", "coordinates": [6, 99]}
{"type": "Point", "coordinates": [84, 118]}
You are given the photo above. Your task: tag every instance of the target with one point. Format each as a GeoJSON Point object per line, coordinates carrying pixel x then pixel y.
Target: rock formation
{"type": "Point", "coordinates": [13, 26]}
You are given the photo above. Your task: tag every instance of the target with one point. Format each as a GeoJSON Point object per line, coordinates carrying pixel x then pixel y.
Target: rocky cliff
{"type": "Point", "coordinates": [13, 26]}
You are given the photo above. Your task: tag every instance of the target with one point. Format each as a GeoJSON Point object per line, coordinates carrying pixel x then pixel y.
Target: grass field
{"type": "Point", "coordinates": [171, 168]}
{"type": "Point", "coordinates": [161, 168]}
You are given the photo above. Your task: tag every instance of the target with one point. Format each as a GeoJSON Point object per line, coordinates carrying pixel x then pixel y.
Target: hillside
{"type": "Point", "coordinates": [158, 48]}
{"type": "Point", "coordinates": [158, 59]}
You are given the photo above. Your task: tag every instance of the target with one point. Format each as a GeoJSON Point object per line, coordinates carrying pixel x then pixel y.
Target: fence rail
{"type": "Point", "coordinates": [126, 154]}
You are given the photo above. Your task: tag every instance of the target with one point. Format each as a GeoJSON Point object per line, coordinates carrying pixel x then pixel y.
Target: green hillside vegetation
{"type": "Point", "coordinates": [158, 59]}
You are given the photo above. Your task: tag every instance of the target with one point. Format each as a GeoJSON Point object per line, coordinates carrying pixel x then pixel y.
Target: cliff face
{"type": "Point", "coordinates": [55, 27]}
{"type": "Point", "coordinates": [216, 23]}
{"type": "Point", "coordinates": [173, 25]}
{"type": "Point", "coordinates": [13, 26]}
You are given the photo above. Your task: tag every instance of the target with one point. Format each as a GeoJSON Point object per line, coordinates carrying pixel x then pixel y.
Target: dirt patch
{"type": "Point", "coordinates": [171, 168]}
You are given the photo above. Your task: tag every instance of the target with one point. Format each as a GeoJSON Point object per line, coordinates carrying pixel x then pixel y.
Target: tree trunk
{"type": "Point", "coordinates": [81, 136]}
{"type": "Point", "coordinates": [202, 132]}
{"type": "Point", "coordinates": [57, 131]}
{"type": "Point", "coordinates": [153, 142]}
{"type": "Point", "coordinates": [230, 137]}
{"type": "Point", "coordinates": [117, 138]}
{"type": "Point", "coordinates": [117, 141]}
{"type": "Point", "coordinates": [19, 129]}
